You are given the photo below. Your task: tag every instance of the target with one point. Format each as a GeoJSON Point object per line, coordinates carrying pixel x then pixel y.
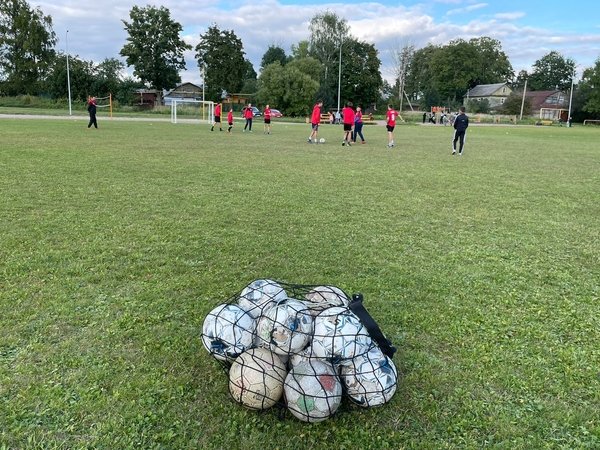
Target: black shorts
{"type": "Point", "coordinates": [347, 127]}
{"type": "Point", "coordinates": [267, 121]}
{"type": "Point", "coordinates": [390, 128]}
{"type": "Point", "coordinates": [217, 119]}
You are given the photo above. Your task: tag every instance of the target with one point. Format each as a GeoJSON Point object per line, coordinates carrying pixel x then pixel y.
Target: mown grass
{"type": "Point", "coordinates": [483, 270]}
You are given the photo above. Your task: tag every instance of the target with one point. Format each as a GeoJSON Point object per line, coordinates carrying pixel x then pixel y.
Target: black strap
{"type": "Point", "coordinates": [357, 307]}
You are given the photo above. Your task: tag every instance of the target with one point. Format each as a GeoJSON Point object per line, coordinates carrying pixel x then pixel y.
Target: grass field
{"type": "Point", "coordinates": [483, 270]}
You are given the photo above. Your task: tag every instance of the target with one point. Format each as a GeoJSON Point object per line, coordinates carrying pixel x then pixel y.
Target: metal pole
{"type": "Point", "coordinates": [570, 100]}
{"type": "Point", "coordinates": [523, 100]}
{"type": "Point", "coordinates": [340, 75]}
{"type": "Point", "coordinates": [68, 75]}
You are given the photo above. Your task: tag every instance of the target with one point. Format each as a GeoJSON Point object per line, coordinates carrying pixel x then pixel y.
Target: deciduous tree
{"type": "Point", "coordinates": [26, 47]}
{"type": "Point", "coordinates": [220, 55]}
{"type": "Point", "coordinates": [154, 47]}
{"type": "Point", "coordinates": [552, 71]}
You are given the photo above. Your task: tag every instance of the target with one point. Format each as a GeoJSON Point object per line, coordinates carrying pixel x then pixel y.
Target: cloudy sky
{"type": "Point", "coordinates": [527, 29]}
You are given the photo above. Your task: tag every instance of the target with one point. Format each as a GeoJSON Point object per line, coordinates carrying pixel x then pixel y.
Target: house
{"type": "Point", "coordinates": [148, 98]}
{"type": "Point", "coordinates": [549, 105]}
{"type": "Point", "coordinates": [185, 92]}
{"type": "Point", "coordinates": [495, 94]}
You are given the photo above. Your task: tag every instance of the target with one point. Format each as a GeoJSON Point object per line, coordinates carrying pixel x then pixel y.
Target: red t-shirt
{"type": "Point", "coordinates": [348, 114]}
{"type": "Point", "coordinates": [230, 117]}
{"type": "Point", "coordinates": [267, 113]}
{"type": "Point", "coordinates": [248, 113]}
{"type": "Point", "coordinates": [358, 117]}
{"type": "Point", "coordinates": [316, 115]}
{"type": "Point", "coordinates": [218, 110]}
{"type": "Point", "coordinates": [391, 117]}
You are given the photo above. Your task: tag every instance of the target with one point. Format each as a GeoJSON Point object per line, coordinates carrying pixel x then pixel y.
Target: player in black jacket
{"type": "Point", "coordinates": [92, 110]}
{"type": "Point", "coordinates": [461, 123]}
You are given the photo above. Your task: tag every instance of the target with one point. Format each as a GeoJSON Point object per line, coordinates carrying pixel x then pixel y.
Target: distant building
{"type": "Point", "coordinates": [148, 98]}
{"type": "Point", "coordinates": [495, 94]}
{"type": "Point", "coordinates": [185, 92]}
{"type": "Point", "coordinates": [549, 105]}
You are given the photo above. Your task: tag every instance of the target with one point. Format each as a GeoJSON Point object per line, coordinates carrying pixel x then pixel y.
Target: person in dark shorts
{"type": "Point", "coordinates": [348, 120]}
{"type": "Point", "coordinates": [217, 117]}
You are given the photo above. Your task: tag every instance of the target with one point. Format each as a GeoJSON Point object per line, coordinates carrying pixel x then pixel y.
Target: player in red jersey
{"type": "Point", "coordinates": [230, 120]}
{"type": "Point", "coordinates": [391, 116]}
{"type": "Point", "coordinates": [267, 115]}
{"type": "Point", "coordinates": [348, 119]}
{"type": "Point", "coordinates": [217, 117]}
{"type": "Point", "coordinates": [315, 120]}
{"type": "Point", "coordinates": [248, 115]}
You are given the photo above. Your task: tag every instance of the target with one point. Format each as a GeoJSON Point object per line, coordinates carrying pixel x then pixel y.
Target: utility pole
{"type": "Point", "coordinates": [68, 75]}
{"type": "Point", "coordinates": [523, 99]}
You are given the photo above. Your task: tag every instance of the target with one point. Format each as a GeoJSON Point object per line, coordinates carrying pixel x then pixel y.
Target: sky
{"type": "Point", "coordinates": [527, 29]}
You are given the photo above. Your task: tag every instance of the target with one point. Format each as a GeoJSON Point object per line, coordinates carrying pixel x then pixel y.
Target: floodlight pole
{"type": "Point", "coordinates": [68, 75]}
{"type": "Point", "coordinates": [523, 99]}
{"type": "Point", "coordinates": [570, 100]}
{"type": "Point", "coordinates": [340, 75]}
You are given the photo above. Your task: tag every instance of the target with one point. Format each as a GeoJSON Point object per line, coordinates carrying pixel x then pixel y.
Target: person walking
{"type": "Point", "coordinates": [267, 116]}
{"type": "Point", "coordinates": [217, 117]}
{"type": "Point", "coordinates": [461, 123]}
{"type": "Point", "coordinates": [230, 120]}
{"type": "Point", "coordinates": [348, 119]}
{"type": "Point", "coordinates": [358, 125]}
{"type": "Point", "coordinates": [248, 115]}
{"type": "Point", "coordinates": [391, 117]}
{"type": "Point", "coordinates": [92, 111]}
{"type": "Point", "coordinates": [315, 120]}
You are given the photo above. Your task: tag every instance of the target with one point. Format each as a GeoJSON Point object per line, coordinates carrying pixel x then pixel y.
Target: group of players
{"type": "Point", "coordinates": [353, 123]}
{"type": "Point", "coordinates": [352, 120]}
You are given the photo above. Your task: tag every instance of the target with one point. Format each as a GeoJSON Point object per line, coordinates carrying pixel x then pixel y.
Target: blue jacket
{"type": "Point", "coordinates": [461, 123]}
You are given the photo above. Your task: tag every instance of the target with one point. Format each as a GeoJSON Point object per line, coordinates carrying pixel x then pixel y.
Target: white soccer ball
{"type": "Point", "coordinates": [260, 295]}
{"type": "Point", "coordinates": [339, 335]}
{"type": "Point", "coordinates": [322, 140]}
{"type": "Point", "coordinates": [305, 355]}
{"type": "Point", "coordinates": [322, 297]}
{"type": "Point", "coordinates": [370, 379]}
{"type": "Point", "coordinates": [285, 328]}
{"type": "Point", "coordinates": [313, 391]}
{"type": "Point", "coordinates": [227, 331]}
{"type": "Point", "coordinates": [256, 378]}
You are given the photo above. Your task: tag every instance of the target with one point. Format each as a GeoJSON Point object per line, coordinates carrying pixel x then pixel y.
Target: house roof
{"type": "Point", "coordinates": [538, 99]}
{"type": "Point", "coordinates": [485, 90]}
{"type": "Point", "coordinates": [185, 88]}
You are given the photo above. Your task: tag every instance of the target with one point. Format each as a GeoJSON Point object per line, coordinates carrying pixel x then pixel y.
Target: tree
{"type": "Point", "coordinates": [327, 33]}
{"type": "Point", "coordinates": [220, 54]}
{"type": "Point", "coordinates": [154, 47]}
{"type": "Point", "coordinates": [418, 83]}
{"type": "Point", "coordinates": [361, 78]}
{"type": "Point", "coordinates": [552, 71]}
{"type": "Point", "coordinates": [107, 78]}
{"type": "Point", "coordinates": [454, 70]}
{"type": "Point", "coordinates": [300, 50]}
{"type": "Point", "coordinates": [402, 60]}
{"type": "Point", "coordinates": [287, 88]}
{"type": "Point", "coordinates": [590, 85]}
{"type": "Point", "coordinates": [26, 47]}
{"type": "Point", "coordinates": [82, 76]}
{"type": "Point", "coordinates": [512, 105]}
{"type": "Point", "coordinates": [492, 65]}
{"type": "Point", "coordinates": [273, 54]}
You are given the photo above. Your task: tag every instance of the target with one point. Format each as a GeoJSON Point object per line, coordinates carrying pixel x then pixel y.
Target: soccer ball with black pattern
{"type": "Point", "coordinates": [227, 331]}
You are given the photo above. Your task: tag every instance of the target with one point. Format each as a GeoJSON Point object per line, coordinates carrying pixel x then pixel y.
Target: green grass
{"type": "Point", "coordinates": [483, 270]}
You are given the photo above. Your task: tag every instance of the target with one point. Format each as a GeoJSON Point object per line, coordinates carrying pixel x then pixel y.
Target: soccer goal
{"type": "Point", "coordinates": [193, 109]}
{"type": "Point", "coordinates": [105, 102]}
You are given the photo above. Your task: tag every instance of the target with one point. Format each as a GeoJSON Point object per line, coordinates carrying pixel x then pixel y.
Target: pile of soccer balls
{"type": "Point", "coordinates": [298, 346]}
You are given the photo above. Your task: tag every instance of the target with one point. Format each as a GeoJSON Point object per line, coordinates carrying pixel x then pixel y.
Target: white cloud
{"type": "Point", "coordinates": [96, 33]}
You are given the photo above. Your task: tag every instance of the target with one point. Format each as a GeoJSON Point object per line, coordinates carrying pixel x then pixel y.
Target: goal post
{"type": "Point", "coordinates": [105, 102]}
{"type": "Point", "coordinates": [204, 111]}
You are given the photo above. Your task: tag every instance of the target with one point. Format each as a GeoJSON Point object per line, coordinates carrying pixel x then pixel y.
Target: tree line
{"type": "Point", "coordinates": [330, 60]}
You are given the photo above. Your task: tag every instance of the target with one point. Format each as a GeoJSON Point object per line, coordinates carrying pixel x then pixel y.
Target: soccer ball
{"type": "Point", "coordinates": [313, 391]}
{"type": "Point", "coordinates": [260, 295]}
{"type": "Point", "coordinates": [256, 378]}
{"type": "Point", "coordinates": [305, 355]}
{"type": "Point", "coordinates": [285, 328]}
{"type": "Point", "coordinates": [339, 335]}
{"type": "Point", "coordinates": [227, 331]}
{"type": "Point", "coordinates": [322, 297]}
{"type": "Point", "coordinates": [322, 140]}
{"type": "Point", "coordinates": [370, 379]}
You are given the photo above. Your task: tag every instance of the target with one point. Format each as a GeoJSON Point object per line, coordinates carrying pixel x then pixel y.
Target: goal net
{"type": "Point", "coordinates": [105, 102]}
{"type": "Point", "coordinates": [204, 111]}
